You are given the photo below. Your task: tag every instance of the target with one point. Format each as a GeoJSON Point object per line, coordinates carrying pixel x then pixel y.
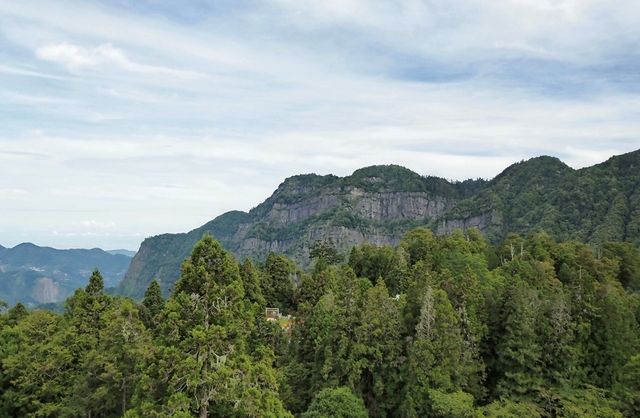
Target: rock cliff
{"type": "Point", "coordinates": [379, 204]}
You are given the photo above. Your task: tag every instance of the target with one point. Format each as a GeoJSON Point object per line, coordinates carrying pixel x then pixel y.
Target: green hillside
{"type": "Point", "coordinates": [380, 203]}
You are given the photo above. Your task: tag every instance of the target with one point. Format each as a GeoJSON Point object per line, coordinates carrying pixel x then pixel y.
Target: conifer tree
{"type": "Point", "coordinates": [434, 356]}
{"type": "Point", "coordinates": [518, 353]}
{"type": "Point", "coordinates": [336, 403]}
{"type": "Point", "coordinates": [112, 368]}
{"type": "Point", "coordinates": [204, 360]}
{"type": "Point", "coordinates": [251, 283]}
{"type": "Point", "coordinates": [152, 305]}
{"type": "Point", "coordinates": [421, 245]}
{"type": "Point", "coordinates": [277, 281]}
{"type": "Point", "coordinates": [614, 336]}
{"type": "Point", "coordinates": [377, 349]}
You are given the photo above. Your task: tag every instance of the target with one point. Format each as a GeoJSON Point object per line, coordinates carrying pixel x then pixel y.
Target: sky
{"type": "Point", "coordinates": [122, 119]}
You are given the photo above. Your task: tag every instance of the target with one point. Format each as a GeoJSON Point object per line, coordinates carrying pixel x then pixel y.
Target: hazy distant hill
{"type": "Point", "coordinates": [34, 275]}
{"type": "Point", "coordinates": [128, 253]}
{"type": "Point", "coordinates": [378, 204]}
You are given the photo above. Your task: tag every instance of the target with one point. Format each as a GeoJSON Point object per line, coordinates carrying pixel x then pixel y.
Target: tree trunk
{"type": "Point", "coordinates": [204, 410]}
{"type": "Point", "coordinates": [124, 398]}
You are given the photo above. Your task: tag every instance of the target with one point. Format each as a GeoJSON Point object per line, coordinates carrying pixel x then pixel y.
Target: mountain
{"type": "Point", "coordinates": [128, 253]}
{"type": "Point", "coordinates": [379, 203]}
{"type": "Point", "coordinates": [35, 275]}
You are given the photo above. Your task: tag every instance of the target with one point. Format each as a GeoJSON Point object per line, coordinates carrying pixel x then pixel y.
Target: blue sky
{"type": "Point", "coordinates": [123, 119]}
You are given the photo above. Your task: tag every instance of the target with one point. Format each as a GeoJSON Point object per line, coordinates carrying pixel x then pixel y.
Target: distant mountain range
{"type": "Point", "coordinates": [380, 203]}
{"type": "Point", "coordinates": [37, 275]}
{"type": "Point", "coordinates": [128, 253]}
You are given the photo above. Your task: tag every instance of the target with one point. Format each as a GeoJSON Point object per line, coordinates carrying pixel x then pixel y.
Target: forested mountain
{"type": "Point", "coordinates": [438, 326]}
{"type": "Point", "coordinates": [379, 204]}
{"type": "Point", "coordinates": [34, 275]}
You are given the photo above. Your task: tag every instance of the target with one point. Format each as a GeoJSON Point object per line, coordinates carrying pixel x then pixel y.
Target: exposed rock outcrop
{"type": "Point", "coordinates": [379, 204]}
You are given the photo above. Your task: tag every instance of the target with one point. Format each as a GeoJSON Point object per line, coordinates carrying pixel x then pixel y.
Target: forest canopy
{"type": "Point", "coordinates": [437, 326]}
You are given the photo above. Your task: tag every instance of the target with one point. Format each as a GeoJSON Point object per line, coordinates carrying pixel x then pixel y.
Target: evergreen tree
{"type": "Point", "coordinates": [336, 403]}
{"type": "Point", "coordinates": [203, 357]}
{"type": "Point", "coordinates": [324, 252]}
{"type": "Point", "coordinates": [112, 368]}
{"type": "Point", "coordinates": [614, 336]}
{"type": "Point", "coordinates": [86, 307]}
{"type": "Point", "coordinates": [251, 283]}
{"type": "Point", "coordinates": [16, 313]}
{"type": "Point", "coordinates": [376, 351]}
{"type": "Point", "coordinates": [421, 245]}
{"type": "Point", "coordinates": [628, 388]}
{"type": "Point", "coordinates": [518, 353]}
{"type": "Point", "coordinates": [628, 257]}
{"type": "Point", "coordinates": [152, 305]}
{"type": "Point", "coordinates": [314, 285]}
{"type": "Point", "coordinates": [37, 370]}
{"type": "Point", "coordinates": [278, 281]}
{"type": "Point", "coordinates": [556, 329]}
{"type": "Point", "coordinates": [435, 355]}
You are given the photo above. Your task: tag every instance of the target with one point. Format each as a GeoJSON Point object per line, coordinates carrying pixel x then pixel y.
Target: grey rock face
{"type": "Point", "coordinates": [46, 291]}
{"type": "Point", "coordinates": [399, 206]}
{"type": "Point", "coordinates": [283, 214]}
{"type": "Point", "coordinates": [482, 222]}
{"type": "Point", "coordinates": [294, 217]}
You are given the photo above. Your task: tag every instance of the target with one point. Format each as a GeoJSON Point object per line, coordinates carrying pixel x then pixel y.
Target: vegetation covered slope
{"type": "Point", "coordinates": [34, 275]}
{"type": "Point", "coordinates": [437, 326]}
{"type": "Point", "coordinates": [379, 204]}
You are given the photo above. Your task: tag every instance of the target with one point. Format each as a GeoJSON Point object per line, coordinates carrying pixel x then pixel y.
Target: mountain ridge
{"type": "Point", "coordinates": [379, 203]}
{"type": "Point", "coordinates": [122, 251]}
{"type": "Point", "coordinates": [36, 275]}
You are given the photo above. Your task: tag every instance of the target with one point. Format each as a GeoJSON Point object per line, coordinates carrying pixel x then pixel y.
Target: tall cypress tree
{"type": "Point", "coordinates": [377, 349]}
{"type": "Point", "coordinates": [518, 353]}
{"type": "Point", "coordinates": [435, 356]}
{"type": "Point", "coordinates": [277, 281]}
{"type": "Point", "coordinates": [152, 305]}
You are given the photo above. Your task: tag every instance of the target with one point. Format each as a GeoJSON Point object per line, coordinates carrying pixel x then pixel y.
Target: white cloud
{"type": "Point", "coordinates": [75, 57]}
{"type": "Point", "coordinates": [157, 125]}
{"type": "Point", "coordinates": [93, 224]}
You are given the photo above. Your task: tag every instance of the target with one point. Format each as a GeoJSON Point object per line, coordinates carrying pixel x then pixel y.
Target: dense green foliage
{"type": "Point", "coordinates": [437, 326]}
{"type": "Point", "coordinates": [201, 352]}
{"type": "Point", "coordinates": [336, 403]}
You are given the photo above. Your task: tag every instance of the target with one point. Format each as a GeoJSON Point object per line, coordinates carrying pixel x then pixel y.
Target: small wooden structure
{"type": "Point", "coordinates": [272, 314]}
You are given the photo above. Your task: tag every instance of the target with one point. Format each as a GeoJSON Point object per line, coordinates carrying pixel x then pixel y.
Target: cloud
{"type": "Point", "coordinates": [76, 58]}
{"type": "Point", "coordinates": [160, 118]}
{"type": "Point", "coordinates": [27, 72]}
{"type": "Point", "coordinates": [93, 224]}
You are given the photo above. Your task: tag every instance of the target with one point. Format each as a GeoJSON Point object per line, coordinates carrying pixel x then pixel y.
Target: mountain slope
{"type": "Point", "coordinates": [379, 203]}
{"type": "Point", "coordinates": [33, 275]}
